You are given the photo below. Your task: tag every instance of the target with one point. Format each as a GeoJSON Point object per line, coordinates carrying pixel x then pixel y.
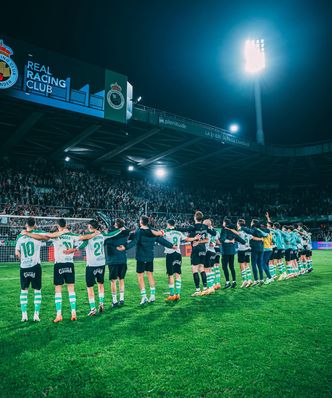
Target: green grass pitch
{"type": "Point", "coordinates": [273, 341]}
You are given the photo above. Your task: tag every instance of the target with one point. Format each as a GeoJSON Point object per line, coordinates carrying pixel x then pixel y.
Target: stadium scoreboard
{"type": "Point", "coordinates": [37, 75]}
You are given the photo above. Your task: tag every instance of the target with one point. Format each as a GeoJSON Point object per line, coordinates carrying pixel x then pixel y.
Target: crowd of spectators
{"type": "Point", "coordinates": [37, 189]}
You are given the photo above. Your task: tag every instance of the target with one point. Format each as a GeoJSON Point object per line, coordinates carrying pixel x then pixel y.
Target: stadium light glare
{"type": "Point", "coordinates": [130, 168]}
{"type": "Point", "coordinates": [160, 172]}
{"type": "Point", "coordinates": [234, 128]}
{"type": "Point", "coordinates": [67, 158]}
{"type": "Point", "coordinates": [254, 54]}
{"type": "Point", "coordinates": [137, 100]}
{"type": "Point", "coordinates": [255, 63]}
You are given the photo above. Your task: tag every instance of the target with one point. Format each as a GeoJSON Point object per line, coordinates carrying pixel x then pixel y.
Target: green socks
{"type": "Point", "coordinates": [248, 274]}
{"type": "Point", "coordinates": [24, 300]}
{"type": "Point", "coordinates": [178, 286]}
{"type": "Point", "coordinates": [217, 274]}
{"type": "Point", "coordinates": [244, 275]}
{"type": "Point", "coordinates": [300, 265]}
{"type": "Point", "coordinates": [58, 302]}
{"type": "Point", "coordinates": [272, 270]}
{"type": "Point", "coordinates": [92, 303]}
{"type": "Point", "coordinates": [281, 267]}
{"type": "Point", "coordinates": [72, 301]}
{"type": "Point", "coordinates": [171, 290]}
{"type": "Point", "coordinates": [37, 300]}
{"type": "Point", "coordinates": [210, 279]}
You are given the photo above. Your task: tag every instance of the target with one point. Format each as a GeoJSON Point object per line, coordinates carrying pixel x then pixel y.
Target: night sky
{"type": "Point", "coordinates": [186, 57]}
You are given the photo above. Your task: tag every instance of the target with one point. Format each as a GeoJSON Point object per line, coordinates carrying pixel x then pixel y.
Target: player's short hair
{"type": "Point", "coordinates": [144, 220]}
{"type": "Point", "coordinates": [276, 225]}
{"type": "Point", "coordinates": [199, 216]}
{"type": "Point", "coordinates": [62, 222]}
{"type": "Point", "coordinates": [227, 221]}
{"type": "Point", "coordinates": [290, 227]}
{"type": "Point", "coordinates": [269, 224]}
{"type": "Point", "coordinates": [241, 221]}
{"type": "Point", "coordinates": [31, 222]}
{"type": "Point", "coordinates": [120, 222]}
{"type": "Point", "coordinates": [171, 222]}
{"type": "Point", "coordinates": [94, 224]}
{"type": "Point", "coordinates": [255, 222]}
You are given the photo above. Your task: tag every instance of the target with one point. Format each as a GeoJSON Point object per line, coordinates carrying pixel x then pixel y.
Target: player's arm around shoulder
{"type": "Point", "coordinates": [113, 233]}
{"type": "Point", "coordinates": [212, 231]}
{"type": "Point", "coordinates": [191, 239]}
{"type": "Point", "coordinates": [88, 236]}
{"type": "Point", "coordinates": [157, 232]}
{"type": "Point", "coordinates": [165, 243]}
{"type": "Point", "coordinates": [131, 242]}
{"type": "Point", "coordinates": [33, 235]}
{"type": "Point", "coordinates": [57, 234]}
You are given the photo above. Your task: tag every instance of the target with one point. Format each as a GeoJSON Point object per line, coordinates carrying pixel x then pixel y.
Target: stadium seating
{"type": "Point", "coordinates": [42, 190]}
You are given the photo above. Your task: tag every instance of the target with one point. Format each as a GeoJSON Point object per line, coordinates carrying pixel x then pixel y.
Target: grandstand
{"type": "Point", "coordinates": [151, 138]}
{"type": "Point", "coordinates": [247, 178]}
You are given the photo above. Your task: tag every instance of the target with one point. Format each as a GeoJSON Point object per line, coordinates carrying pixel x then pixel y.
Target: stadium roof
{"type": "Point", "coordinates": [189, 149]}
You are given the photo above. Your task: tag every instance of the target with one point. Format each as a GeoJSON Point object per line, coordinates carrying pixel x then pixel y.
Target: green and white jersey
{"type": "Point", "coordinates": [307, 239]}
{"type": "Point", "coordinates": [29, 249]}
{"type": "Point", "coordinates": [274, 238]}
{"type": "Point", "coordinates": [64, 242]}
{"type": "Point", "coordinates": [175, 237]}
{"type": "Point", "coordinates": [211, 245]}
{"type": "Point", "coordinates": [280, 242]}
{"type": "Point", "coordinates": [94, 248]}
{"type": "Point", "coordinates": [247, 238]}
{"type": "Point", "coordinates": [309, 244]}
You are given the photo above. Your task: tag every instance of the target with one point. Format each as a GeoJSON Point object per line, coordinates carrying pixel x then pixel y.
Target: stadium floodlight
{"type": "Point", "coordinates": [254, 53]}
{"type": "Point", "coordinates": [130, 168]}
{"type": "Point", "coordinates": [160, 172]}
{"type": "Point", "coordinates": [67, 158]}
{"type": "Point", "coordinates": [234, 128]}
{"type": "Point", "coordinates": [137, 100]}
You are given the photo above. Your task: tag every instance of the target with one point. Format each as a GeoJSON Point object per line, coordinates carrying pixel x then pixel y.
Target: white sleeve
{"type": "Point", "coordinates": [18, 244]}
{"type": "Point", "coordinates": [183, 236]}
{"type": "Point", "coordinates": [76, 242]}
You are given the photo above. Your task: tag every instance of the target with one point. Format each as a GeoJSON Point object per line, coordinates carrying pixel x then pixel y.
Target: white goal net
{"type": "Point", "coordinates": [11, 226]}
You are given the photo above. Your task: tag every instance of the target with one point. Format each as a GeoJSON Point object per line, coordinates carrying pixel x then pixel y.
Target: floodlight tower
{"type": "Point", "coordinates": [254, 53]}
